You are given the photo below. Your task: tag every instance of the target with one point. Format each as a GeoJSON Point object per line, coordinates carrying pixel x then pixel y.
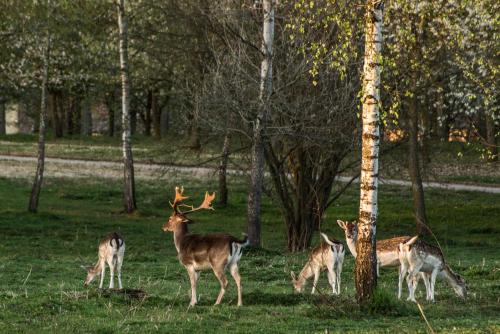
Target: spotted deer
{"type": "Point", "coordinates": [328, 255]}
{"type": "Point", "coordinates": [387, 250]}
{"type": "Point", "coordinates": [418, 257]}
{"type": "Point", "coordinates": [111, 251]}
{"type": "Point", "coordinates": [196, 253]}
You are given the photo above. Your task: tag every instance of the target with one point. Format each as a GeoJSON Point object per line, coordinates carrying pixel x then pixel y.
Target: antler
{"type": "Point", "coordinates": [207, 202]}
{"type": "Point", "coordinates": [178, 198]}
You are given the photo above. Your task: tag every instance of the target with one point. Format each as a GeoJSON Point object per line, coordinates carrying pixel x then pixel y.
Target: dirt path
{"type": "Point", "coordinates": [15, 166]}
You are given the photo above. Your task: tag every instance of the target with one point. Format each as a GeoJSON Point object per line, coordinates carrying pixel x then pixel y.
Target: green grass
{"type": "Point", "coordinates": [41, 284]}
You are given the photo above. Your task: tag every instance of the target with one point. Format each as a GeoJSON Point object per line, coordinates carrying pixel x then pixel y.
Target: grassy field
{"type": "Point", "coordinates": [41, 284]}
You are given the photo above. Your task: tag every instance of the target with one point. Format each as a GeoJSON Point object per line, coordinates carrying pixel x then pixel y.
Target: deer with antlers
{"type": "Point", "coordinates": [203, 252]}
{"type": "Point", "coordinates": [111, 251]}
{"type": "Point", "coordinates": [328, 255]}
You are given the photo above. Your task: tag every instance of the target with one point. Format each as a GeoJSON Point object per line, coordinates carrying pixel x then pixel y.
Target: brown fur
{"type": "Point", "coordinates": [425, 248]}
{"type": "Point", "coordinates": [196, 252]}
{"type": "Point", "coordinates": [391, 244]}
{"type": "Point", "coordinates": [196, 248]}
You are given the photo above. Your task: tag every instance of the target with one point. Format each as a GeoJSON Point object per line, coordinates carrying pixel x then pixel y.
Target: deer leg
{"type": "Point", "coordinates": [219, 273]}
{"type": "Point", "coordinates": [433, 283]}
{"type": "Point", "coordinates": [332, 277]}
{"type": "Point", "coordinates": [425, 278]}
{"type": "Point", "coordinates": [413, 280]}
{"type": "Point", "coordinates": [103, 270]}
{"type": "Point", "coordinates": [316, 278]}
{"type": "Point", "coordinates": [402, 273]}
{"type": "Point", "coordinates": [338, 268]}
{"type": "Point", "coordinates": [193, 278]}
{"type": "Point", "coordinates": [236, 275]}
{"type": "Point", "coordinates": [111, 264]}
{"type": "Point", "coordinates": [119, 263]}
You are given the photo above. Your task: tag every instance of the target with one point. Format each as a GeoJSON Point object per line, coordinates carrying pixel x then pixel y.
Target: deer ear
{"type": "Point", "coordinates": [341, 224]}
{"type": "Point", "coordinates": [187, 221]}
{"type": "Point", "coordinates": [84, 268]}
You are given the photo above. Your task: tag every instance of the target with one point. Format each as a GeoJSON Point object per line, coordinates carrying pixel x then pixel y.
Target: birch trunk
{"type": "Point", "coordinates": [128, 163]}
{"type": "Point", "coordinates": [266, 87]}
{"type": "Point", "coordinates": [365, 270]}
{"type": "Point", "coordinates": [37, 184]}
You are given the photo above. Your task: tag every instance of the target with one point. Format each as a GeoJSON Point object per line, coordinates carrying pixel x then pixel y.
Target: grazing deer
{"type": "Point", "coordinates": [329, 255]}
{"type": "Point", "coordinates": [416, 256]}
{"type": "Point", "coordinates": [202, 252]}
{"type": "Point", "coordinates": [387, 250]}
{"type": "Point", "coordinates": [111, 251]}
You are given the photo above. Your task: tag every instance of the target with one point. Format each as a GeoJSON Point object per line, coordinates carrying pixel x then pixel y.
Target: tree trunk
{"type": "Point", "coordinates": [266, 88]}
{"type": "Point", "coordinates": [414, 167]}
{"type": "Point", "coordinates": [491, 138]}
{"type": "Point", "coordinates": [223, 192]}
{"type": "Point", "coordinates": [58, 114]}
{"type": "Point", "coordinates": [442, 123]}
{"type": "Point", "coordinates": [148, 112]}
{"type": "Point", "coordinates": [2, 118]}
{"type": "Point", "coordinates": [165, 121]}
{"type": "Point", "coordinates": [366, 260]}
{"type": "Point", "coordinates": [194, 129]}
{"type": "Point", "coordinates": [54, 114]}
{"type": "Point", "coordinates": [86, 117]}
{"type": "Point", "coordinates": [156, 115]}
{"type": "Point", "coordinates": [76, 111]}
{"type": "Point", "coordinates": [70, 116]}
{"type": "Point", "coordinates": [128, 162]}
{"type": "Point", "coordinates": [37, 184]}
{"type": "Point", "coordinates": [110, 104]}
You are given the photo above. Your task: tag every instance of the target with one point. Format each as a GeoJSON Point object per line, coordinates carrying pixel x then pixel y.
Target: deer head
{"type": "Point", "coordinates": [457, 282]}
{"type": "Point", "coordinates": [92, 272]}
{"type": "Point", "coordinates": [179, 217]}
{"type": "Point", "coordinates": [350, 229]}
{"type": "Point", "coordinates": [297, 285]}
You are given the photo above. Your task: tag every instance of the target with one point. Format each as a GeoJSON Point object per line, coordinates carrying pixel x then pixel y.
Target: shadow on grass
{"type": "Point", "coordinates": [273, 299]}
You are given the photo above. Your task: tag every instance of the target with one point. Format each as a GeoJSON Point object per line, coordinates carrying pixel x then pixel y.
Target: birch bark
{"type": "Point", "coordinates": [128, 162]}
{"type": "Point", "coordinates": [266, 87]}
{"type": "Point", "coordinates": [365, 270]}
{"type": "Point", "coordinates": [37, 184]}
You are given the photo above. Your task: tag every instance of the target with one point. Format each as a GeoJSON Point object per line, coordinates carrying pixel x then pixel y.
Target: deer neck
{"type": "Point", "coordinates": [306, 272]}
{"type": "Point", "coordinates": [180, 232]}
{"type": "Point", "coordinates": [351, 244]}
{"type": "Point", "coordinates": [449, 276]}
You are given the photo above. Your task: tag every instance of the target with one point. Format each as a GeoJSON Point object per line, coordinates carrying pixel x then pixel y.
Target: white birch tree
{"type": "Point", "coordinates": [128, 162]}
{"type": "Point", "coordinates": [37, 183]}
{"type": "Point", "coordinates": [266, 88]}
{"type": "Point", "coordinates": [365, 272]}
